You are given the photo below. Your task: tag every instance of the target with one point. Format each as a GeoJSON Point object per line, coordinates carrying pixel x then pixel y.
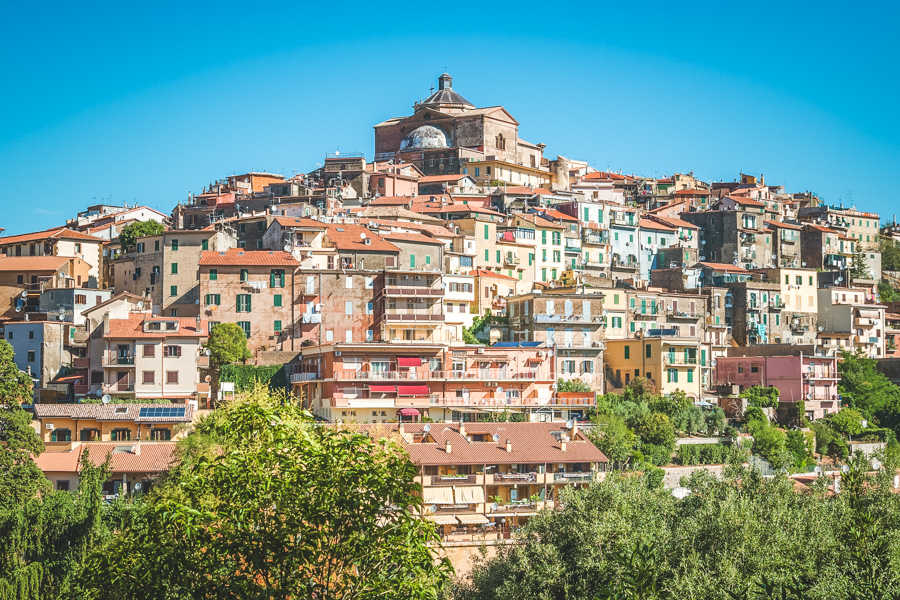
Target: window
{"type": "Point", "coordinates": [243, 303]}
{"type": "Point", "coordinates": [627, 352]}
{"type": "Point", "coordinates": [544, 237]}
{"type": "Point", "coordinates": [213, 299]}
{"type": "Point", "coordinates": [172, 351]}
{"type": "Point", "coordinates": [120, 435]}
{"type": "Point", "coordinates": [80, 299]}
{"type": "Point", "coordinates": [648, 349]}
{"type": "Point", "coordinates": [174, 245]}
{"type": "Point", "coordinates": [412, 261]}
{"type": "Point", "coordinates": [690, 376]}
{"type": "Point", "coordinates": [276, 326]}
{"type": "Point", "coordinates": [486, 232]}
{"type": "Point", "coordinates": [672, 375]}
{"type": "Point", "coordinates": [348, 308]}
{"type": "Point", "coordinates": [149, 351]}
{"type": "Point", "coordinates": [160, 435]}
{"type": "Point", "coordinates": [754, 369]}
{"type": "Point", "coordinates": [487, 255]}
{"type": "Point", "coordinates": [148, 377]}
{"type": "Point", "coordinates": [31, 356]}
{"type": "Point", "coordinates": [204, 245]}
{"type": "Point", "coordinates": [276, 300]}
{"type": "Point", "coordinates": [173, 290]}
{"type": "Point", "coordinates": [369, 308]}
{"type": "Point", "coordinates": [171, 377]}
{"type": "Point", "coordinates": [244, 274]}
{"type": "Point", "coordinates": [213, 274]}
{"type": "Point", "coordinates": [245, 325]}
{"type": "Point", "coordinates": [530, 258]}
{"type": "Point", "coordinates": [498, 257]}
{"type": "Point", "coordinates": [61, 435]}
{"type": "Point", "coordinates": [276, 278]}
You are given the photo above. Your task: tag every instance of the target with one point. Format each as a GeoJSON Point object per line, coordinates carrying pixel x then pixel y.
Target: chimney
{"type": "Point", "coordinates": [508, 445]}
{"type": "Point", "coordinates": [462, 429]}
{"type": "Point", "coordinates": [137, 448]}
{"type": "Point", "coordinates": [574, 429]}
{"type": "Point", "coordinates": [447, 447]}
{"type": "Point", "coordinates": [562, 445]}
{"type": "Point", "coordinates": [400, 428]}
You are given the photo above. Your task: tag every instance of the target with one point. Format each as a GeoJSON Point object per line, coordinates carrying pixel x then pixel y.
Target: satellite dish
{"type": "Point", "coordinates": [24, 294]}
{"type": "Point", "coordinates": [105, 399]}
{"type": "Point", "coordinates": [569, 423]}
{"type": "Point", "coordinates": [496, 437]}
{"type": "Point", "coordinates": [287, 247]}
{"type": "Point", "coordinates": [137, 486]}
{"type": "Point", "coordinates": [426, 428]}
{"type": "Point", "coordinates": [362, 236]}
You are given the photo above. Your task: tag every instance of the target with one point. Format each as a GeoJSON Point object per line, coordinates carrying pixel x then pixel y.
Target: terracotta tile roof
{"type": "Point", "coordinates": [723, 267]}
{"type": "Point", "coordinates": [783, 225]}
{"type": "Point", "coordinates": [250, 258]}
{"type": "Point", "coordinates": [394, 212]}
{"type": "Point", "coordinates": [524, 189]}
{"type": "Point", "coordinates": [110, 412]}
{"type": "Point", "coordinates": [673, 222]}
{"type": "Point", "coordinates": [540, 222]}
{"type": "Point", "coordinates": [33, 263]}
{"type": "Point", "coordinates": [124, 457]}
{"type": "Point", "coordinates": [411, 237]}
{"type": "Point", "coordinates": [648, 224]}
{"type": "Point", "coordinates": [608, 175]}
{"type": "Point", "coordinates": [692, 192]}
{"type": "Point", "coordinates": [133, 327]}
{"type": "Point", "coordinates": [529, 443]}
{"type": "Point", "coordinates": [820, 228]}
{"type": "Point", "coordinates": [114, 298]}
{"type": "Point", "coordinates": [744, 201]}
{"type": "Point", "coordinates": [486, 273]}
{"type": "Point", "coordinates": [352, 237]}
{"type": "Point", "coordinates": [552, 212]}
{"type": "Point", "coordinates": [667, 206]}
{"type": "Point", "coordinates": [57, 233]}
{"type": "Point", "coordinates": [434, 207]}
{"type": "Point", "coordinates": [391, 201]}
{"type": "Point", "coordinates": [299, 222]}
{"type": "Point", "coordinates": [441, 178]}
{"type": "Point", "coordinates": [434, 230]}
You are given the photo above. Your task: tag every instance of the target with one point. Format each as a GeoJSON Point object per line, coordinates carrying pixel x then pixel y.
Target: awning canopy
{"type": "Point", "coordinates": [468, 494]}
{"type": "Point", "coordinates": [437, 495]}
{"type": "Point", "coordinates": [409, 361]}
{"type": "Point", "coordinates": [472, 519]}
{"type": "Point", "coordinates": [442, 519]}
{"type": "Point", "coordinates": [383, 388]}
{"type": "Point", "coordinates": [412, 390]}
{"type": "Point", "coordinates": [409, 412]}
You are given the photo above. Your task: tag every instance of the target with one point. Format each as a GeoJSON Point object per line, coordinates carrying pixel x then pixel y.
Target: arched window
{"type": "Point", "coordinates": [160, 435]}
{"type": "Point", "coordinates": [89, 434]}
{"type": "Point", "coordinates": [500, 142]}
{"type": "Point", "coordinates": [61, 435]}
{"type": "Point", "coordinates": [120, 435]}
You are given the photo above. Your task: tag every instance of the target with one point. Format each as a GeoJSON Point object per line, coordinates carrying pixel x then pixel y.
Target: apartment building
{"type": "Point", "coordinates": [786, 244]}
{"type": "Point", "coordinates": [799, 294]}
{"type": "Point", "coordinates": [755, 312]}
{"type": "Point", "coordinates": [254, 289]}
{"type": "Point", "coordinates": [734, 234]}
{"type": "Point", "coordinates": [855, 224]}
{"type": "Point", "coordinates": [378, 382]}
{"type": "Point", "coordinates": [571, 323]}
{"type": "Point", "coordinates": [146, 356]}
{"type": "Point", "coordinates": [624, 242]}
{"type": "Point", "coordinates": [23, 278]}
{"type": "Point", "coordinates": [68, 303]}
{"type": "Point", "coordinates": [492, 290]}
{"type": "Point", "coordinates": [409, 306]}
{"type": "Point", "coordinates": [480, 480]}
{"type": "Point", "coordinates": [358, 248]}
{"type": "Point", "coordinates": [849, 321]}
{"type": "Point", "coordinates": [825, 248]}
{"type": "Point", "coordinates": [459, 304]}
{"type": "Point", "coordinates": [43, 350]}
{"type": "Point", "coordinates": [66, 423]}
{"type": "Point", "coordinates": [60, 242]}
{"type": "Point", "coordinates": [670, 363]}
{"type": "Point", "coordinates": [549, 248]}
{"type": "Point", "coordinates": [165, 268]}
{"type": "Point", "coordinates": [302, 237]}
{"type": "Point", "coordinates": [335, 306]}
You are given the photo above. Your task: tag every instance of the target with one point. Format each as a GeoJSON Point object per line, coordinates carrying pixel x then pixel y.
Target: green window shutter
{"type": "Point", "coordinates": [427, 259]}
{"type": "Point", "coordinates": [213, 274]}
{"type": "Point", "coordinates": [587, 214]}
{"type": "Point", "coordinates": [544, 237]}
{"type": "Point", "coordinates": [486, 232]}
{"type": "Point", "coordinates": [412, 260]}
{"type": "Point", "coordinates": [487, 255]}
{"type": "Point", "coordinates": [243, 274]}
{"type": "Point", "coordinates": [648, 349]}
{"type": "Point", "coordinates": [218, 299]}
{"type": "Point", "coordinates": [277, 326]}
{"type": "Point", "coordinates": [703, 357]}
{"type": "Point", "coordinates": [204, 245]}
{"type": "Point", "coordinates": [173, 290]}
{"type": "Point", "coordinates": [239, 304]}
{"type": "Point", "coordinates": [174, 244]}
{"type": "Point", "coordinates": [206, 299]}
{"type": "Point", "coordinates": [498, 257]}
{"type": "Point", "coordinates": [627, 353]}
{"type": "Point", "coordinates": [277, 299]}
{"type": "Point", "coordinates": [690, 376]}
{"type": "Point", "coordinates": [249, 298]}
{"type": "Point", "coordinates": [174, 268]}
{"type": "Point", "coordinates": [272, 278]}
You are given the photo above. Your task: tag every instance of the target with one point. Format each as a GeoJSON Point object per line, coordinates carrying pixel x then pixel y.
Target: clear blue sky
{"type": "Point", "coordinates": [145, 102]}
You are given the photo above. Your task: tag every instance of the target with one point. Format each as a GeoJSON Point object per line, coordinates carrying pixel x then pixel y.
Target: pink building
{"type": "Point", "coordinates": [810, 378]}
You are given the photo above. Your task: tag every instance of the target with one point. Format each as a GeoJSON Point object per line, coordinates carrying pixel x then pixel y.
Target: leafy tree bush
{"type": "Point", "coordinates": [761, 397]}
{"type": "Point", "coordinates": [829, 442]}
{"type": "Point", "coordinates": [16, 386]}
{"type": "Point", "coordinates": [227, 344]}
{"type": "Point", "coordinates": [800, 446]}
{"type": "Point", "coordinates": [131, 232]}
{"type": "Point", "coordinates": [655, 428]}
{"type": "Point", "coordinates": [847, 421]}
{"type": "Point", "coordinates": [613, 437]}
{"type": "Point", "coordinates": [702, 454]}
{"type": "Point", "coordinates": [572, 385]}
{"type": "Point", "coordinates": [247, 377]}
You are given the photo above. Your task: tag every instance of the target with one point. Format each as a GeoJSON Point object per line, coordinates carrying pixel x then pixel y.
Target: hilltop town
{"type": "Point", "coordinates": [458, 291]}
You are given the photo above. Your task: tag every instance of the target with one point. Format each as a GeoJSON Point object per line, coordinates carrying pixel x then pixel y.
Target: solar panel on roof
{"type": "Point", "coordinates": [161, 411]}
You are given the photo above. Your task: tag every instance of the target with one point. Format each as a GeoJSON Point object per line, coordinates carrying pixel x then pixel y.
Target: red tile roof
{"type": "Point", "coordinates": [783, 225]}
{"type": "Point", "coordinates": [692, 192]}
{"type": "Point", "coordinates": [724, 267]}
{"type": "Point", "coordinates": [552, 212]}
{"type": "Point", "coordinates": [353, 237]}
{"type": "Point", "coordinates": [820, 228]}
{"type": "Point", "coordinates": [673, 222]}
{"type": "Point", "coordinates": [528, 443]}
{"type": "Point", "coordinates": [57, 233]}
{"type": "Point", "coordinates": [485, 273]}
{"type": "Point", "coordinates": [744, 201]}
{"type": "Point", "coordinates": [299, 222]}
{"type": "Point", "coordinates": [124, 457]}
{"type": "Point", "coordinates": [34, 263]}
{"type": "Point", "coordinates": [540, 221]}
{"type": "Point", "coordinates": [434, 230]}
{"type": "Point", "coordinates": [411, 237]}
{"type": "Point", "coordinates": [133, 327]}
{"type": "Point", "coordinates": [524, 189]}
{"type": "Point", "coordinates": [391, 201]}
{"type": "Point", "coordinates": [435, 207]}
{"type": "Point", "coordinates": [648, 224]}
{"type": "Point", "coordinates": [251, 258]}
{"type": "Point", "coordinates": [441, 178]}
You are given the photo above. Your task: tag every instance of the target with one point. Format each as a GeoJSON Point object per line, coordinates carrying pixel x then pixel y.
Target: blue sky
{"type": "Point", "coordinates": [146, 103]}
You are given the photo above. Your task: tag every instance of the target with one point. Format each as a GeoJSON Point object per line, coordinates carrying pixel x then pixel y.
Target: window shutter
{"type": "Point", "coordinates": [238, 307]}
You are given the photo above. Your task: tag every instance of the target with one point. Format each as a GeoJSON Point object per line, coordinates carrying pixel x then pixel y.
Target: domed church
{"type": "Point", "coordinates": [446, 131]}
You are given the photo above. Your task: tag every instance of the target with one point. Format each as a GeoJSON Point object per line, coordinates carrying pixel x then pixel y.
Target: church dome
{"type": "Point", "coordinates": [426, 136]}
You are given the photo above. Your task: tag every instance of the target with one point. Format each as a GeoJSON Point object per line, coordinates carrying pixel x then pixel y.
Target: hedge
{"type": "Point", "coordinates": [247, 376]}
{"type": "Point", "coordinates": [701, 454]}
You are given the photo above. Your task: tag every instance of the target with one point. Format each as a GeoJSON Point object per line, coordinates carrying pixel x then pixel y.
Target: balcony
{"type": "Point", "coordinates": [571, 318]}
{"type": "Point", "coordinates": [406, 318]}
{"type": "Point", "coordinates": [514, 477]}
{"type": "Point", "coordinates": [447, 480]}
{"type": "Point", "coordinates": [118, 360]}
{"type": "Point", "coordinates": [574, 398]}
{"type": "Point", "coordinates": [573, 477]}
{"type": "Point", "coordinates": [308, 318]}
{"type": "Point", "coordinates": [304, 376]}
{"type": "Point", "coordinates": [118, 387]}
{"type": "Point", "coordinates": [640, 314]}
{"type": "Point", "coordinates": [680, 360]}
{"type": "Point", "coordinates": [682, 314]}
{"type": "Point", "coordinates": [406, 291]}
{"type": "Point", "coordinates": [594, 238]}
{"type": "Point", "coordinates": [573, 249]}
{"type": "Point", "coordinates": [487, 375]}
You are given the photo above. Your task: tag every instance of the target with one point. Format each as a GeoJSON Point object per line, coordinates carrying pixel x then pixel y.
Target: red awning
{"type": "Point", "coordinates": [409, 361]}
{"type": "Point", "coordinates": [382, 388]}
{"type": "Point", "coordinates": [412, 390]}
{"type": "Point", "coordinates": [409, 412]}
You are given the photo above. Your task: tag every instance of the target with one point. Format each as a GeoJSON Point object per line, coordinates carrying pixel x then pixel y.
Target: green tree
{"type": "Point", "coordinates": [847, 421]}
{"type": "Point", "coordinates": [131, 232]}
{"type": "Point", "coordinates": [572, 385]}
{"type": "Point", "coordinates": [863, 387]}
{"type": "Point", "coordinates": [890, 254]}
{"type": "Point", "coordinates": [613, 437]}
{"type": "Point", "coordinates": [16, 386]}
{"type": "Point", "coordinates": [886, 293]}
{"type": "Point", "coordinates": [858, 267]}
{"type": "Point", "coordinates": [227, 344]}
{"type": "Point", "coordinates": [800, 447]}
{"type": "Point", "coordinates": [20, 478]}
{"type": "Point", "coordinates": [264, 505]}
{"type": "Point", "coordinates": [655, 428]}
{"type": "Point", "coordinates": [761, 397]}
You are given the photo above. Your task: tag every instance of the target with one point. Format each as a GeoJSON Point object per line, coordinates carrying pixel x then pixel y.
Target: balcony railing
{"type": "Point", "coordinates": [511, 260]}
{"type": "Point", "coordinates": [649, 314]}
{"type": "Point", "coordinates": [112, 388]}
{"type": "Point", "coordinates": [678, 359]}
{"type": "Point", "coordinates": [572, 318]}
{"type": "Point", "coordinates": [572, 477]}
{"type": "Point", "coordinates": [516, 477]}
{"type": "Point", "coordinates": [445, 480]}
{"type": "Point", "coordinates": [413, 317]}
{"type": "Point", "coordinates": [488, 374]}
{"type": "Point", "coordinates": [682, 314]}
{"type": "Point", "coordinates": [305, 376]}
{"type": "Point", "coordinates": [411, 290]}
{"type": "Point", "coordinates": [310, 318]}
{"type": "Point", "coordinates": [118, 360]}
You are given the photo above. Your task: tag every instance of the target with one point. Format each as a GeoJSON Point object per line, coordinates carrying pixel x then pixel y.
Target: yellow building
{"type": "Point", "coordinates": [799, 288]}
{"type": "Point", "coordinates": [670, 363]}
{"type": "Point", "coordinates": [494, 171]}
{"type": "Point", "coordinates": [66, 423]}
